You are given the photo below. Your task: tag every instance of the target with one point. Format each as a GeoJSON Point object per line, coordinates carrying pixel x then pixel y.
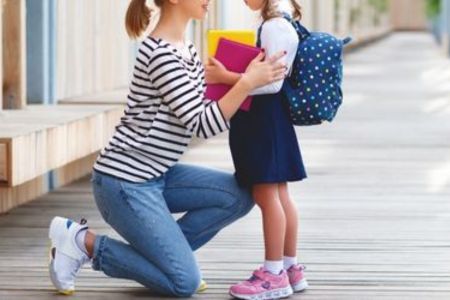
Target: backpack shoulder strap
{"type": "Point", "coordinates": [258, 41]}
{"type": "Point", "coordinates": [301, 30]}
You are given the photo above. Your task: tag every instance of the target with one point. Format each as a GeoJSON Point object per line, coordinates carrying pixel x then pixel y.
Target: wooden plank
{"type": "Point", "coordinates": [4, 158]}
{"type": "Point", "coordinates": [2, 2]}
{"type": "Point", "coordinates": [374, 212]}
{"type": "Point", "coordinates": [45, 130]}
{"type": "Point", "coordinates": [114, 97]}
{"type": "Point", "coordinates": [99, 67]}
{"type": "Point", "coordinates": [408, 14]}
{"type": "Point", "coordinates": [14, 55]}
{"type": "Point", "coordinates": [11, 197]}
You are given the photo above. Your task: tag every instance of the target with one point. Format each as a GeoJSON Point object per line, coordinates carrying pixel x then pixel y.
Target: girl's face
{"type": "Point", "coordinates": [255, 4]}
{"type": "Point", "coordinates": [194, 9]}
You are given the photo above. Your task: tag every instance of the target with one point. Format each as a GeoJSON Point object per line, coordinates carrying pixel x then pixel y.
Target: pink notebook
{"type": "Point", "coordinates": [235, 57]}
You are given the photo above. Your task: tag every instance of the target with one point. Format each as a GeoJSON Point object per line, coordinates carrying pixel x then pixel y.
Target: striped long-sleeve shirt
{"type": "Point", "coordinates": [166, 107]}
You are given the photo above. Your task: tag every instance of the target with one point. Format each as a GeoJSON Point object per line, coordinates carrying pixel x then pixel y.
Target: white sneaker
{"type": "Point", "coordinates": [66, 258]}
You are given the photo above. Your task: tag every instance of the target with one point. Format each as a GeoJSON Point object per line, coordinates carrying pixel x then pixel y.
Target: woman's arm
{"type": "Point", "coordinates": [180, 94]}
{"type": "Point", "coordinates": [258, 73]}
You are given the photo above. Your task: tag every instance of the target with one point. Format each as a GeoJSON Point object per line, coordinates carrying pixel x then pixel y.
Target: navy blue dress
{"type": "Point", "coordinates": [263, 143]}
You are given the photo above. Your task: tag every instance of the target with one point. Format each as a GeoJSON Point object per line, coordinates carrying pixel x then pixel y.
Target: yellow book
{"type": "Point", "coordinates": [247, 37]}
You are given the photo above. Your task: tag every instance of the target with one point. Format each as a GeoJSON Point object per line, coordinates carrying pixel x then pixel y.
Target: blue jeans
{"type": "Point", "coordinates": [159, 250]}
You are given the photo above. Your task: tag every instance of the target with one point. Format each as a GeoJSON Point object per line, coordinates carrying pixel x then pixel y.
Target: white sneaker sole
{"type": "Point", "coordinates": [274, 294]}
{"type": "Point", "coordinates": [54, 235]}
{"type": "Point", "coordinates": [300, 286]}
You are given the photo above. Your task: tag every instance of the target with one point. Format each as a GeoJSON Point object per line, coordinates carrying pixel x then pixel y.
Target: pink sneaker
{"type": "Point", "coordinates": [263, 285]}
{"type": "Point", "coordinates": [297, 278]}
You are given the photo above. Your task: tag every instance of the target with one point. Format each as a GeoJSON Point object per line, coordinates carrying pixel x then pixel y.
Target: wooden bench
{"type": "Point", "coordinates": [116, 97]}
{"type": "Point", "coordinates": [40, 139]}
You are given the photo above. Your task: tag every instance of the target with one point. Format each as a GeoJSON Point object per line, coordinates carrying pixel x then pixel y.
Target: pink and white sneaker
{"type": "Point", "coordinates": [297, 278]}
{"type": "Point", "coordinates": [263, 285]}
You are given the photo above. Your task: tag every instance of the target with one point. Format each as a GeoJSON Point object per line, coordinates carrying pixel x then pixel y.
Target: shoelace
{"type": "Point", "coordinates": [83, 221]}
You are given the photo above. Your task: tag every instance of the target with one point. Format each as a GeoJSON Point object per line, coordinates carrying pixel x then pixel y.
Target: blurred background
{"type": "Point", "coordinates": [77, 52]}
{"type": "Point", "coordinates": [375, 210]}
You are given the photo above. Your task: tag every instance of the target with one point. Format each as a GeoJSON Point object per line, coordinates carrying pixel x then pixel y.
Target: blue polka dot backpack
{"type": "Point", "coordinates": [313, 88]}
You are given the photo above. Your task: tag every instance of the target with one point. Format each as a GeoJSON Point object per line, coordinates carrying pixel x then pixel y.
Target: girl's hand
{"type": "Point", "coordinates": [261, 72]}
{"type": "Point", "coordinates": [215, 72]}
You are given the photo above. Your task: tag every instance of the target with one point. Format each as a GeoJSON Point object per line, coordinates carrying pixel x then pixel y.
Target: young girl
{"type": "Point", "coordinates": [137, 181]}
{"type": "Point", "coordinates": [266, 156]}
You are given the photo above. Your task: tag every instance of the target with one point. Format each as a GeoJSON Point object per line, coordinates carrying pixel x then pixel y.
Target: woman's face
{"type": "Point", "coordinates": [194, 9]}
{"type": "Point", "coordinates": [255, 4]}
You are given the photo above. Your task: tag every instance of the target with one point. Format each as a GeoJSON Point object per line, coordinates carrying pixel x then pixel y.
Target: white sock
{"type": "Point", "coordinates": [289, 261]}
{"type": "Point", "coordinates": [274, 266]}
{"type": "Point", "coordinates": [79, 239]}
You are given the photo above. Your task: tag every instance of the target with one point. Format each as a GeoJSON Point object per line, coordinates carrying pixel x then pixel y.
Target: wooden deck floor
{"type": "Point", "coordinates": [375, 211]}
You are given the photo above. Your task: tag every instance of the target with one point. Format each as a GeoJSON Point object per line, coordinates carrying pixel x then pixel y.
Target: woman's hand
{"type": "Point", "coordinates": [261, 72]}
{"type": "Point", "coordinates": [215, 72]}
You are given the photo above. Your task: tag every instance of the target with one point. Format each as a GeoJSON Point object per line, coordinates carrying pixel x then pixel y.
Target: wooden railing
{"type": "Point", "coordinates": [14, 55]}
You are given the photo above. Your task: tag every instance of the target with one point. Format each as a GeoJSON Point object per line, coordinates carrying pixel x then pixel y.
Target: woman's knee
{"type": "Point", "coordinates": [237, 201]}
{"type": "Point", "coordinates": [185, 285]}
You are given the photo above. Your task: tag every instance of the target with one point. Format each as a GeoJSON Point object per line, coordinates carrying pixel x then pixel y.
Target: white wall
{"type": "Point", "coordinates": [94, 53]}
{"type": "Point", "coordinates": [236, 15]}
{"type": "Point", "coordinates": [93, 49]}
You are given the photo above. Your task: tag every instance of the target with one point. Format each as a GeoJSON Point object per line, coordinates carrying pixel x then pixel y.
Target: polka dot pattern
{"type": "Point", "coordinates": [314, 86]}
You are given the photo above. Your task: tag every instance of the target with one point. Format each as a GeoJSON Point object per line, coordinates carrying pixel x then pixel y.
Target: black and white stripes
{"type": "Point", "coordinates": [165, 108]}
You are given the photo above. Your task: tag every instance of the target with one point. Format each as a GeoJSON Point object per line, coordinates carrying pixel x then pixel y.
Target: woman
{"type": "Point", "coordinates": [137, 180]}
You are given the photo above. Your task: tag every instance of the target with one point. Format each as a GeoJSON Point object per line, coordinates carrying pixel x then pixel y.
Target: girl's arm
{"type": "Point", "coordinates": [277, 35]}
{"type": "Point", "coordinates": [215, 72]}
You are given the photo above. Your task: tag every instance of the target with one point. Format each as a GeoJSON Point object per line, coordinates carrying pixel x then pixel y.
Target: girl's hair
{"type": "Point", "coordinates": [269, 12]}
{"type": "Point", "coordinates": [138, 17]}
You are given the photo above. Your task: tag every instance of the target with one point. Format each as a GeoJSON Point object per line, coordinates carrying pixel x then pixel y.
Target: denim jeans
{"type": "Point", "coordinates": [159, 250]}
